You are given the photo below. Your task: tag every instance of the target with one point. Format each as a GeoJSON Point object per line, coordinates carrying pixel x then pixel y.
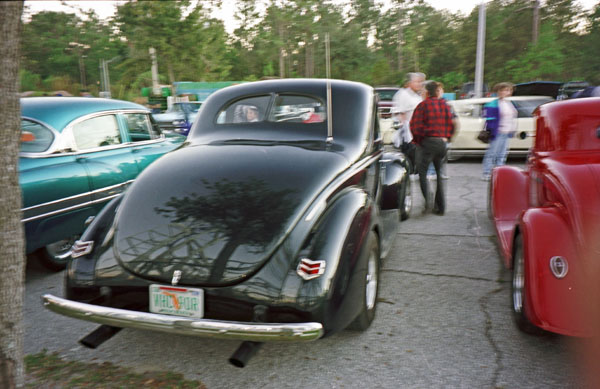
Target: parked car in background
{"type": "Point", "coordinates": [467, 91]}
{"type": "Point", "coordinates": [77, 154]}
{"type": "Point", "coordinates": [569, 88]}
{"type": "Point", "coordinates": [277, 233]}
{"type": "Point", "coordinates": [538, 88]}
{"type": "Point", "coordinates": [384, 105]}
{"type": "Point", "coordinates": [179, 117]}
{"type": "Point", "coordinates": [471, 121]}
{"type": "Point", "coordinates": [546, 218]}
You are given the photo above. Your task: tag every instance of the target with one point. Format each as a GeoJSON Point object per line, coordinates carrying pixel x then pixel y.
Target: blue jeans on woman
{"type": "Point", "coordinates": [495, 154]}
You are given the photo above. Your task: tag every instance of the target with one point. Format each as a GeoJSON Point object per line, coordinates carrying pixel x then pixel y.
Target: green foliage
{"type": "Point", "coordinates": [539, 62]}
{"type": "Point", "coordinates": [370, 41]}
{"type": "Point", "coordinates": [29, 81]}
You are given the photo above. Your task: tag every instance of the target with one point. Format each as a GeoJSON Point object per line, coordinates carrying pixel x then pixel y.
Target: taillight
{"type": "Point", "coordinates": [309, 269]}
{"type": "Point", "coordinates": [81, 248]}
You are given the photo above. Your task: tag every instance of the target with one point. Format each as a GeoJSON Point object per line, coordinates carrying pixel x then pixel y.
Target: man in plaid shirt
{"type": "Point", "coordinates": [432, 127]}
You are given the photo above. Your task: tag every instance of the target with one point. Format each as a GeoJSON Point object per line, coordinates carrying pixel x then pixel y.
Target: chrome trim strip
{"type": "Point", "coordinates": [82, 205]}
{"type": "Point", "coordinates": [109, 191]}
{"type": "Point", "coordinates": [219, 329]}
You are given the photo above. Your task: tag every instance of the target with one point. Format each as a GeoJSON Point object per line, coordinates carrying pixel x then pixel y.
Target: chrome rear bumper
{"type": "Point", "coordinates": [256, 332]}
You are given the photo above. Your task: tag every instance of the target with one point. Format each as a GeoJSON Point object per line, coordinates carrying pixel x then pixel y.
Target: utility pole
{"type": "Point", "coordinates": [105, 78]}
{"type": "Point", "coordinates": [155, 86]}
{"type": "Point", "coordinates": [400, 59]}
{"type": "Point", "coordinates": [480, 57]}
{"type": "Point", "coordinates": [536, 21]}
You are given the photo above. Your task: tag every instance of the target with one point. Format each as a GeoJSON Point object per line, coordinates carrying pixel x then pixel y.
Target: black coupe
{"type": "Point", "coordinates": [268, 224]}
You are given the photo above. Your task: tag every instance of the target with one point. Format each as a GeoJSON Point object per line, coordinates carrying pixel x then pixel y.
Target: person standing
{"type": "Point", "coordinates": [404, 103]}
{"type": "Point", "coordinates": [432, 127]}
{"type": "Point", "coordinates": [501, 121]}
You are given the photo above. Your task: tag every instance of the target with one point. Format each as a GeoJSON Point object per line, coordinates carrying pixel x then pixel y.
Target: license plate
{"type": "Point", "coordinates": [177, 301]}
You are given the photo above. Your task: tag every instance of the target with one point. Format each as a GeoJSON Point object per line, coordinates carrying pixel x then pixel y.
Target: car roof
{"type": "Point", "coordinates": [483, 100]}
{"type": "Point", "coordinates": [352, 107]}
{"type": "Point", "coordinates": [58, 112]}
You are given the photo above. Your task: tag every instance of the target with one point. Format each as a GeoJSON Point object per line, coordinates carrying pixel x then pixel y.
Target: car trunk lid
{"type": "Point", "coordinates": [217, 213]}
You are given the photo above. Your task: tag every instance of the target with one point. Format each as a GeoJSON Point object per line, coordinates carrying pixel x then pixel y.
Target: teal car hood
{"type": "Point", "coordinates": [217, 213]}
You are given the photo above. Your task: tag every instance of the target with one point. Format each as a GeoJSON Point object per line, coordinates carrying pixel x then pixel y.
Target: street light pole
{"type": "Point", "coordinates": [479, 61]}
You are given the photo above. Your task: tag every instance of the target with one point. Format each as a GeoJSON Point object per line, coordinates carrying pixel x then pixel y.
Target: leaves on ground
{"type": "Point", "coordinates": [44, 370]}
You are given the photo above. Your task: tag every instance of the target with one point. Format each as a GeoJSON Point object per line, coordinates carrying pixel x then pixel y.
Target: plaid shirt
{"type": "Point", "coordinates": [432, 118]}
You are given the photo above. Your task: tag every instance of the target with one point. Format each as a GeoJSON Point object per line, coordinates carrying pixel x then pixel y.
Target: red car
{"type": "Point", "coordinates": [547, 219]}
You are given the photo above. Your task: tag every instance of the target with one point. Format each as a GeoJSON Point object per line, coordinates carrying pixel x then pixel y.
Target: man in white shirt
{"type": "Point", "coordinates": [404, 103]}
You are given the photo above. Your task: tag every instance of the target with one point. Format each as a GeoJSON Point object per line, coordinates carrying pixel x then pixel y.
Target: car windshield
{"type": "Point", "coordinates": [185, 107]}
{"type": "Point", "coordinates": [386, 94]}
{"type": "Point", "coordinates": [525, 108]}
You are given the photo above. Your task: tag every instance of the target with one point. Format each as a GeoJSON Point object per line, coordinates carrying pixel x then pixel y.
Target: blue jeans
{"type": "Point", "coordinates": [496, 153]}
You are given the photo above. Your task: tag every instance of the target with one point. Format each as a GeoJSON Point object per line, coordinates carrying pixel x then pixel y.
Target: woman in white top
{"type": "Point", "coordinates": [501, 121]}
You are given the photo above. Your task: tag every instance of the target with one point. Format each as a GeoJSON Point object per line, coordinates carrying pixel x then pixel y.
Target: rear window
{"type": "Point", "coordinates": [526, 107]}
{"type": "Point", "coordinates": [35, 138]}
{"type": "Point", "coordinates": [285, 108]}
{"type": "Point", "coordinates": [297, 109]}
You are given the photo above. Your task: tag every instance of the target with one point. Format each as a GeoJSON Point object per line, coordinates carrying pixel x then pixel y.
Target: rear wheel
{"type": "Point", "coordinates": [370, 285]}
{"type": "Point", "coordinates": [519, 290]}
{"type": "Point", "coordinates": [56, 255]}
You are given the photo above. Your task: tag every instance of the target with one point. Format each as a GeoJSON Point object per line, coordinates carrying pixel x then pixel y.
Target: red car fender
{"type": "Point", "coordinates": [508, 198]}
{"type": "Point", "coordinates": [554, 304]}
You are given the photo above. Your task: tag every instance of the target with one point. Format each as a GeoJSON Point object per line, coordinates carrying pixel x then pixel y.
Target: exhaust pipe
{"type": "Point", "coordinates": [99, 336]}
{"type": "Point", "coordinates": [242, 355]}
{"type": "Point", "coordinates": [247, 349]}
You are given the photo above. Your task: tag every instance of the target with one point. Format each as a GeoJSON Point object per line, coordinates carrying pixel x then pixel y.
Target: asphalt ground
{"type": "Point", "coordinates": [443, 320]}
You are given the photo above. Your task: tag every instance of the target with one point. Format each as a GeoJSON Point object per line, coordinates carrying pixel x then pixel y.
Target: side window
{"type": "Point", "coordinates": [35, 138]}
{"type": "Point", "coordinates": [139, 127]}
{"type": "Point", "coordinates": [99, 131]}
{"type": "Point", "coordinates": [247, 110]}
{"type": "Point", "coordinates": [298, 109]}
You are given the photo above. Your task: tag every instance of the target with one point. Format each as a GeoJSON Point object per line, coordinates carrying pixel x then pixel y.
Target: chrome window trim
{"type": "Point", "coordinates": [107, 189]}
{"type": "Point", "coordinates": [54, 150]}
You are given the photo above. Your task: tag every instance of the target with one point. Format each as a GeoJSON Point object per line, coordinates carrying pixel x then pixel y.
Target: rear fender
{"type": "Point", "coordinates": [554, 304]}
{"type": "Point", "coordinates": [507, 199]}
{"type": "Point", "coordinates": [338, 240]}
{"type": "Point", "coordinates": [81, 270]}
{"type": "Point", "coordinates": [394, 169]}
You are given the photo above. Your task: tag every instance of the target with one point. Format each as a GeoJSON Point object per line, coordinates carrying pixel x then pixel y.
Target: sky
{"type": "Point", "coordinates": [105, 8]}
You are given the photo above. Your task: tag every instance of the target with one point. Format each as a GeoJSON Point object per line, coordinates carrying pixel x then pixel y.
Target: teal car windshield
{"type": "Point", "coordinates": [35, 138]}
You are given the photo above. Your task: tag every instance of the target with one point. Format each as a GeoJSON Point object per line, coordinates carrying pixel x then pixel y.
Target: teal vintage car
{"type": "Point", "coordinates": [76, 154]}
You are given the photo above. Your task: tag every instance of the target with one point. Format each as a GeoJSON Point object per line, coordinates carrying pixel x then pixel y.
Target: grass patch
{"type": "Point", "coordinates": [51, 371]}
